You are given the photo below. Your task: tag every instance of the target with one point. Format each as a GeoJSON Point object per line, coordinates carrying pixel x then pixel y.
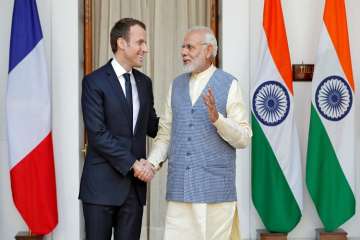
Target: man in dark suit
{"type": "Point", "coordinates": [118, 110]}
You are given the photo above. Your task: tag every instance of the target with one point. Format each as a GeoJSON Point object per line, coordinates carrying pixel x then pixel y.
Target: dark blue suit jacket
{"type": "Point", "coordinates": [112, 145]}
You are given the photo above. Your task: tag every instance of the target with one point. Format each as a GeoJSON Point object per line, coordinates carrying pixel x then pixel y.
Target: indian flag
{"type": "Point", "coordinates": [276, 166]}
{"type": "Point", "coordinates": [330, 156]}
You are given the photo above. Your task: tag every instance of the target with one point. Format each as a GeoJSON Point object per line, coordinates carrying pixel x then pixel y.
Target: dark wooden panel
{"type": "Point", "coordinates": [88, 53]}
{"type": "Point", "coordinates": [214, 23]}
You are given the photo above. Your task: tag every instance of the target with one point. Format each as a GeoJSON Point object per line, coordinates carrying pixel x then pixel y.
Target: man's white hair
{"type": "Point", "coordinates": [208, 39]}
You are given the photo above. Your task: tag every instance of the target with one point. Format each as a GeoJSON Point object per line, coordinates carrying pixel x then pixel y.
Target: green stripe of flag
{"type": "Point", "coordinates": [326, 182]}
{"type": "Point", "coordinates": [271, 193]}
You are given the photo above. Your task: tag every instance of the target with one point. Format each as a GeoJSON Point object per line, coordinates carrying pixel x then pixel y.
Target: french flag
{"type": "Point", "coordinates": [28, 108]}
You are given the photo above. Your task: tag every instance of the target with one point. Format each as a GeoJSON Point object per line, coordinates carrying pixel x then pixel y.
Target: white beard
{"type": "Point", "coordinates": [188, 68]}
{"type": "Point", "coordinates": [195, 65]}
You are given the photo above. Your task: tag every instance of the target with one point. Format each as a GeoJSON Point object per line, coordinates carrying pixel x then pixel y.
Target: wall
{"type": "Point", "coordinates": [235, 56]}
{"type": "Point", "coordinates": [62, 28]}
{"type": "Point", "coordinates": [241, 26]}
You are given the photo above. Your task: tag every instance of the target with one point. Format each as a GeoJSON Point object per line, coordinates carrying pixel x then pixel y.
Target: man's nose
{"type": "Point", "coordinates": [184, 52]}
{"type": "Point", "coordinates": [145, 48]}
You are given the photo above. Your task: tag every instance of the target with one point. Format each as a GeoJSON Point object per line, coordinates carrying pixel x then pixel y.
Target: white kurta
{"type": "Point", "coordinates": [201, 221]}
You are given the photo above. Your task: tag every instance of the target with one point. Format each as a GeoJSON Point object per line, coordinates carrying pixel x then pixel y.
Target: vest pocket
{"type": "Point", "coordinates": [217, 164]}
{"type": "Point", "coordinates": [217, 170]}
{"type": "Point", "coordinates": [215, 180]}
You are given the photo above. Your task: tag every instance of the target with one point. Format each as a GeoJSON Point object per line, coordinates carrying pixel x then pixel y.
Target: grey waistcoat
{"type": "Point", "coordinates": [201, 164]}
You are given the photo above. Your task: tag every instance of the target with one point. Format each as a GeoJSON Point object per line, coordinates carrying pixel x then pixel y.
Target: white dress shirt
{"type": "Point", "coordinates": [119, 71]}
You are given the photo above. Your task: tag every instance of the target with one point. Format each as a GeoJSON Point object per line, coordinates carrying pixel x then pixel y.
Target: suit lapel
{"type": "Point", "coordinates": [115, 85]}
{"type": "Point", "coordinates": [141, 93]}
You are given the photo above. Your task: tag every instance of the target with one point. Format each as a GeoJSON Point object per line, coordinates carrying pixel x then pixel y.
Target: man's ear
{"type": "Point", "coordinates": [121, 43]}
{"type": "Point", "coordinates": [209, 50]}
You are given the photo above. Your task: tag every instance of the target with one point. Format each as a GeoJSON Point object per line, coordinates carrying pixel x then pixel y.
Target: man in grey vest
{"type": "Point", "coordinates": [204, 121]}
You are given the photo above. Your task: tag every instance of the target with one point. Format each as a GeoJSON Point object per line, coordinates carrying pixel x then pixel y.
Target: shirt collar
{"type": "Point", "coordinates": [119, 70]}
{"type": "Point", "coordinates": [204, 73]}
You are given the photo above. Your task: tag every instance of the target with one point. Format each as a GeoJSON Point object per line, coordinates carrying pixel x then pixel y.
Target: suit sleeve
{"type": "Point", "coordinates": [153, 121]}
{"type": "Point", "coordinates": [115, 149]}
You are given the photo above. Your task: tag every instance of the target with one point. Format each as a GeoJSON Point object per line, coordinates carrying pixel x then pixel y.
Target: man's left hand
{"type": "Point", "coordinates": [143, 170]}
{"type": "Point", "coordinates": [209, 101]}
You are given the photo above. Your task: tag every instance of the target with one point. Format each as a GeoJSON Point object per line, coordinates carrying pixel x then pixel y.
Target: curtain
{"type": "Point", "coordinates": [166, 22]}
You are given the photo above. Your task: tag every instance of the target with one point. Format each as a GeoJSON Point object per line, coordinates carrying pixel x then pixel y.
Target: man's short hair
{"type": "Point", "coordinates": [208, 39]}
{"type": "Point", "coordinates": [121, 30]}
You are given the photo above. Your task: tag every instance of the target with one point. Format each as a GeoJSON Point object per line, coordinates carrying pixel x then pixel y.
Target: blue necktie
{"type": "Point", "coordinates": [128, 92]}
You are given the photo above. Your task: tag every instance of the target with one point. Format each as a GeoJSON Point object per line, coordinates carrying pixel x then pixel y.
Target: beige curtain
{"type": "Point", "coordinates": [166, 22]}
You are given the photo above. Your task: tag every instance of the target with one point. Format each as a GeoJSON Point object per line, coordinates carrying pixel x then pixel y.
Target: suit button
{"type": "Point", "coordinates": [188, 154]}
{"type": "Point", "coordinates": [187, 168]}
{"type": "Point", "coordinates": [192, 111]}
{"type": "Point", "coordinates": [189, 139]}
{"type": "Point", "coordinates": [190, 125]}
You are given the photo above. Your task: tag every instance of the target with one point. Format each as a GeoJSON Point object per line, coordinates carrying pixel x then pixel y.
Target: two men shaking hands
{"type": "Point", "coordinates": [143, 170]}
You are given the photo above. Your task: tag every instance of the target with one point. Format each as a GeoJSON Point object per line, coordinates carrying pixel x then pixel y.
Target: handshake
{"type": "Point", "coordinates": [143, 170]}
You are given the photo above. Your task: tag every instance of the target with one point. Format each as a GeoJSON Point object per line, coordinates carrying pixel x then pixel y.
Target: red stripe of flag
{"type": "Point", "coordinates": [34, 188]}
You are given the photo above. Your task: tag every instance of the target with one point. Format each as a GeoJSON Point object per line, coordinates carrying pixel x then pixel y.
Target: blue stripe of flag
{"type": "Point", "coordinates": [25, 31]}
